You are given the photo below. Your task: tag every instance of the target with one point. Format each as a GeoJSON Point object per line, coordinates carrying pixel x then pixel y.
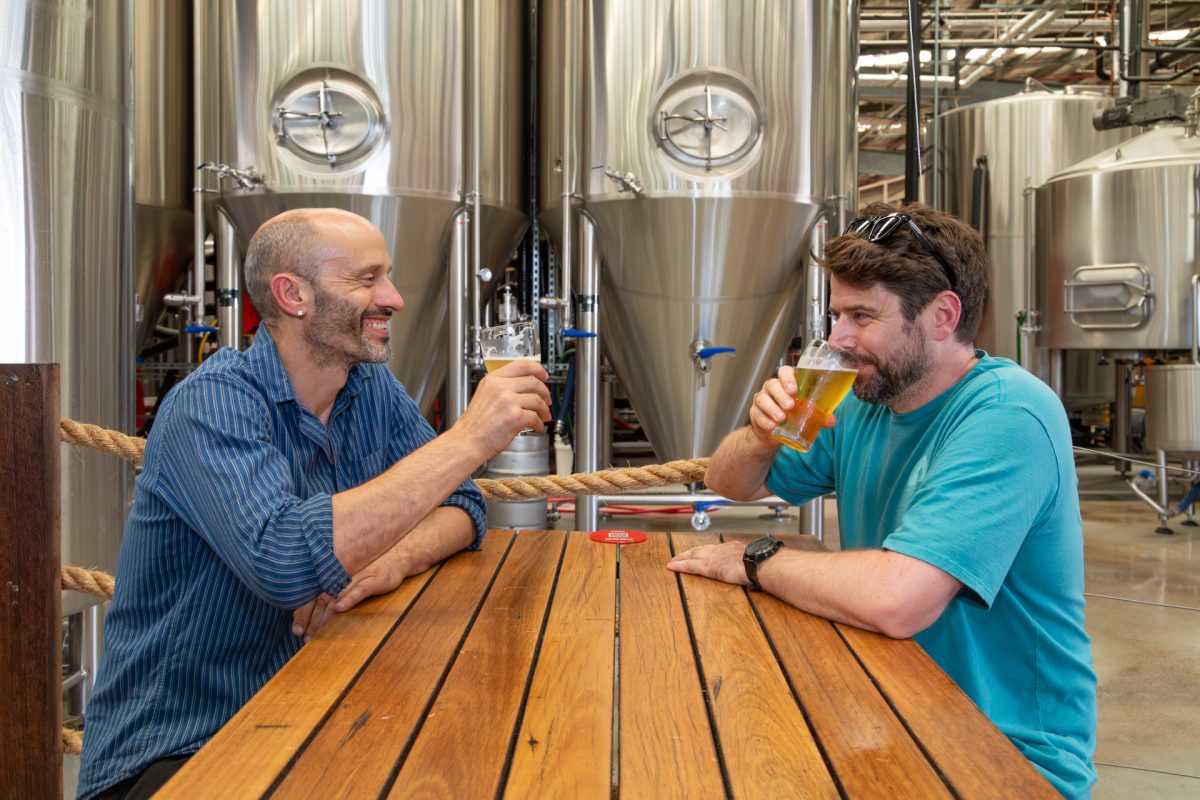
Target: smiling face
{"type": "Point", "coordinates": [889, 351]}
{"type": "Point", "coordinates": [353, 295]}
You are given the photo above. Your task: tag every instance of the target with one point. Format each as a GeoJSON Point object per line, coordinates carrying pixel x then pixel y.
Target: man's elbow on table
{"type": "Point", "coordinates": [909, 599]}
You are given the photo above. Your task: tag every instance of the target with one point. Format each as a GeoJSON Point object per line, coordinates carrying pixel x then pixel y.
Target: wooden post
{"type": "Point", "coordinates": [30, 601]}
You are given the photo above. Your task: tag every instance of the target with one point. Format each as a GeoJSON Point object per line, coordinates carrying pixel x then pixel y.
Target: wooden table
{"type": "Point", "coordinates": [548, 665]}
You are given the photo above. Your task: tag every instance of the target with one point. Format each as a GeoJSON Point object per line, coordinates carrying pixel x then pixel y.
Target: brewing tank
{"type": "Point", "coordinates": [162, 156]}
{"type": "Point", "coordinates": [64, 230]}
{"type": "Point", "coordinates": [369, 106]}
{"type": "Point", "coordinates": [1117, 246]}
{"type": "Point", "coordinates": [702, 140]}
{"type": "Point", "coordinates": [988, 153]}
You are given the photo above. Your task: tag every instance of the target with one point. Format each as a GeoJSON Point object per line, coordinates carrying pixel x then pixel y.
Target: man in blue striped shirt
{"type": "Point", "coordinates": [281, 484]}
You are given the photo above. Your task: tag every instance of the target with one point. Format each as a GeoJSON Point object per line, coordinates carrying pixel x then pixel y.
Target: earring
{"type": "Point", "coordinates": [300, 313]}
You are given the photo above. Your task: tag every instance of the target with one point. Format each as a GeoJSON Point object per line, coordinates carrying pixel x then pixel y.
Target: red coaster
{"type": "Point", "coordinates": [618, 537]}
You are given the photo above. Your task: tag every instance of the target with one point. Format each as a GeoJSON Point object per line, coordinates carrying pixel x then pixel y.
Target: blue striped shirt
{"type": "Point", "coordinates": [231, 529]}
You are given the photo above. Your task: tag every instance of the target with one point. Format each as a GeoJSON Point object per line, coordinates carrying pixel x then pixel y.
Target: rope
{"type": "Point", "coordinates": [72, 741]}
{"type": "Point", "coordinates": [127, 447]}
{"type": "Point", "coordinates": [606, 481]}
{"type": "Point", "coordinates": [88, 581]}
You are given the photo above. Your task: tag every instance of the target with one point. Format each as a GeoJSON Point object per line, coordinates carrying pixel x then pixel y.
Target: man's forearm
{"type": "Point", "coordinates": [877, 590]}
{"type": "Point", "coordinates": [740, 465]}
{"type": "Point", "coordinates": [369, 519]}
{"type": "Point", "coordinates": [440, 535]}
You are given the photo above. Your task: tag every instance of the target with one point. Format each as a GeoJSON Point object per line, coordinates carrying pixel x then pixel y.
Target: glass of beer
{"type": "Point", "coordinates": [822, 380]}
{"type": "Point", "coordinates": [513, 341]}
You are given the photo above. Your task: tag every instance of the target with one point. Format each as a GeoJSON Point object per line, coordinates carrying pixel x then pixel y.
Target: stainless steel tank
{"type": "Point", "coordinates": [368, 106]}
{"type": "Point", "coordinates": [1173, 408]}
{"type": "Point", "coordinates": [1022, 140]}
{"type": "Point", "coordinates": [703, 139]}
{"type": "Point", "coordinates": [64, 231]}
{"type": "Point", "coordinates": [162, 154]}
{"type": "Point", "coordinates": [1118, 244]}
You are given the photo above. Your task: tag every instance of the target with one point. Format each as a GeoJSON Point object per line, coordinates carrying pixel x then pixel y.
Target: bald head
{"type": "Point", "coordinates": [291, 242]}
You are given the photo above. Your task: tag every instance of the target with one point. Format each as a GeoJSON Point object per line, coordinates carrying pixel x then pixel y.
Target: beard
{"type": "Point", "coordinates": [894, 373]}
{"type": "Point", "coordinates": [336, 336]}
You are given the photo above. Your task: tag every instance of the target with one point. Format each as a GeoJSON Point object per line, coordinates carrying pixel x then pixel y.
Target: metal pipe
{"type": "Point", "coordinates": [1057, 379]}
{"type": "Point", "coordinates": [1164, 489]}
{"type": "Point", "coordinates": [1163, 513]}
{"type": "Point", "coordinates": [229, 284]}
{"type": "Point", "coordinates": [818, 286]}
{"type": "Point", "coordinates": [199, 20]}
{"type": "Point", "coordinates": [562, 301]}
{"type": "Point", "coordinates": [1121, 413]}
{"type": "Point", "coordinates": [912, 129]}
{"type": "Point", "coordinates": [587, 370]}
{"type": "Point", "coordinates": [607, 385]}
{"type": "Point", "coordinates": [1021, 32]}
{"type": "Point", "coordinates": [1196, 320]}
{"type": "Point", "coordinates": [1032, 323]}
{"type": "Point", "coordinates": [653, 499]}
{"type": "Point", "coordinates": [1131, 42]}
{"type": "Point", "coordinates": [477, 276]}
{"type": "Point", "coordinates": [457, 370]}
{"type": "Point", "coordinates": [812, 518]}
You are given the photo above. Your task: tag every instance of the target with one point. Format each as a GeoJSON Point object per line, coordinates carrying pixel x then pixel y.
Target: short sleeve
{"type": "Point", "coordinates": [984, 490]}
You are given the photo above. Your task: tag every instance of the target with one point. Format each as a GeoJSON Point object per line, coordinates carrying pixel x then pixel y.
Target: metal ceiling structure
{"type": "Point", "coordinates": [973, 51]}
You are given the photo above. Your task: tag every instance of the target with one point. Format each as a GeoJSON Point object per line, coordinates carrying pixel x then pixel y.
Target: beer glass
{"type": "Point", "coordinates": [514, 341]}
{"type": "Point", "coordinates": [822, 380]}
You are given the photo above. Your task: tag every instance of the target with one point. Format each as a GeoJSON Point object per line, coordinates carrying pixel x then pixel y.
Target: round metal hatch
{"type": "Point", "coordinates": [705, 120]}
{"type": "Point", "coordinates": [327, 116]}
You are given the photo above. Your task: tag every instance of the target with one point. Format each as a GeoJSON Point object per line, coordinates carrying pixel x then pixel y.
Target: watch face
{"type": "Point", "coordinates": [764, 545]}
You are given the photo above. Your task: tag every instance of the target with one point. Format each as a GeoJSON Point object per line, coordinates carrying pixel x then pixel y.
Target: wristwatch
{"type": "Point", "coordinates": [757, 552]}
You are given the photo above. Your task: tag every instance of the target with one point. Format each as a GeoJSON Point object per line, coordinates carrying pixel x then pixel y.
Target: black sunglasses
{"type": "Point", "coordinates": [877, 229]}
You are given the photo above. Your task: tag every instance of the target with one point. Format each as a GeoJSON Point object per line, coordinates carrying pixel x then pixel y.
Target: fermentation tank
{"type": "Point", "coordinates": [988, 153]}
{"type": "Point", "coordinates": [64, 229]}
{"type": "Point", "coordinates": [698, 142]}
{"type": "Point", "coordinates": [1117, 239]}
{"type": "Point", "coordinates": [371, 106]}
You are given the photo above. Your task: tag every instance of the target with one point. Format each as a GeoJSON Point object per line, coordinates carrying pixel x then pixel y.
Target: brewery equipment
{"type": "Point", "coordinates": [686, 150]}
{"type": "Point", "coordinates": [407, 112]}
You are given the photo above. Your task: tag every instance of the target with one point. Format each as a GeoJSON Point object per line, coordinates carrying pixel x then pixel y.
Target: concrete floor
{"type": "Point", "coordinates": [1143, 614]}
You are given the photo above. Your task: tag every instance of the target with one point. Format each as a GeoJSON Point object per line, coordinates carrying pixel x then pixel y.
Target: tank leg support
{"type": "Point", "coordinates": [1164, 498]}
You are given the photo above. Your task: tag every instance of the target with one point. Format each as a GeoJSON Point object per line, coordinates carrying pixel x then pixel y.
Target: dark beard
{"type": "Point", "coordinates": [895, 375]}
{"type": "Point", "coordinates": [335, 334]}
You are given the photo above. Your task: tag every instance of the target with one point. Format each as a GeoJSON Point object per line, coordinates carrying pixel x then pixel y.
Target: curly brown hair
{"type": "Point", "coordinates": [904, 267]}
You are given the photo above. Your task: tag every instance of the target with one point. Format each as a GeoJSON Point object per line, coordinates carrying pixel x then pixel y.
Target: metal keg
{"type": "Point", "coordinates": [527, 454]}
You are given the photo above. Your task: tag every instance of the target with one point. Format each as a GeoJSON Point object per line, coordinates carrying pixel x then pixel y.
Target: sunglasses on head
{"type": "Point", "coordinates": [877, 229]}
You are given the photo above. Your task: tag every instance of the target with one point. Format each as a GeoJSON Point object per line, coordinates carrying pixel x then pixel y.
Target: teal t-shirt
{"type": "Point", "coordinates": [980, 482]}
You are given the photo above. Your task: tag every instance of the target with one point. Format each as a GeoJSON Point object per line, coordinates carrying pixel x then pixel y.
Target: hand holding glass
{"type": "Point", "coordinates": [822, 379]}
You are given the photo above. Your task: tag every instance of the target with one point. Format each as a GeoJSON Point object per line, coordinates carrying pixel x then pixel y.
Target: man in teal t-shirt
{"type": "Point", "coordinates": [956, 488]}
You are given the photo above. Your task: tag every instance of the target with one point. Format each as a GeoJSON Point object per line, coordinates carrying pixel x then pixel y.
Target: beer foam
{"type": "Point", "coordinates": [818, 355]}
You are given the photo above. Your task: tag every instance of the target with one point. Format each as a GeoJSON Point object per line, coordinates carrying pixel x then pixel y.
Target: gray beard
{"type": "Point", "coordinates": [335, 335]}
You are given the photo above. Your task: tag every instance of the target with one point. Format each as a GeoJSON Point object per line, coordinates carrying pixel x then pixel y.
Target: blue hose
{"type": "Point", "coordinates": [1191, 498]}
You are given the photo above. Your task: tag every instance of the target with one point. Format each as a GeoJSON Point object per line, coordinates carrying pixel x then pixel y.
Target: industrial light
{"type": "Point", "coordinates": [890, 59]}
{"type": "Point", "coordinates": [1168, 36]}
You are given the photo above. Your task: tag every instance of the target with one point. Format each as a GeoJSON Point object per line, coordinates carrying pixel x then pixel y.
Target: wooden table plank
{"type": "Point", "coordinates": [752, 704]}
{"type": "Point", "coordinates": [666, 744]}
{"type": "Point", "coordinates": [564, 748]}
{"type": "Point", "coordinates": [462, 749]}
{"type": "Point", "coordinates": [355, 751]}
{"type": "Point", "coordinates": [244, 758]}
{"type": "Point", "coordinates": [869, 749]}
{"type": "Point", "coordinates": [977, 760]}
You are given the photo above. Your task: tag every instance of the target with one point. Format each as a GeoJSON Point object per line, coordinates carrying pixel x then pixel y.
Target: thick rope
{"type": "Point", "coordinates": [88, 581]}
{"type": "Point", "coordinates": [127, 447]}
{"type": "Point", "coordinates": [72, 742]}
{"type": "Point", "coordinates": [606, 481]}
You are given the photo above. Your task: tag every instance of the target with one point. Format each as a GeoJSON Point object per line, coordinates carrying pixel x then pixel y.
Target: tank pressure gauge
{"type": "Point", "coordinates": [707, 120]}
{"type": "Point", "coordinates": [327, 116]}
